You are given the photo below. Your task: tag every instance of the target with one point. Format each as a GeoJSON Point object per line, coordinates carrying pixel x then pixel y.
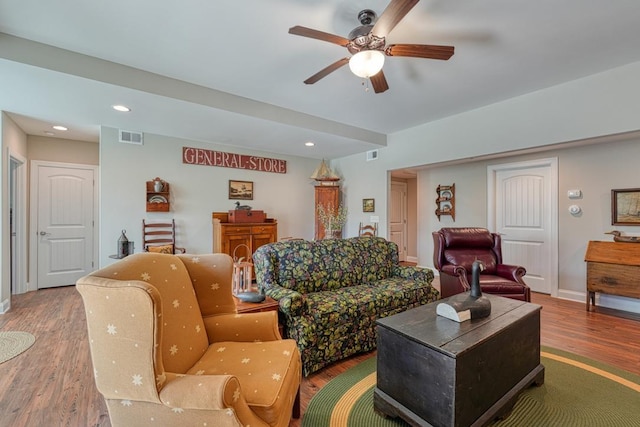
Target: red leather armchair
{"type": "Point", "coordinates": [455, 249]}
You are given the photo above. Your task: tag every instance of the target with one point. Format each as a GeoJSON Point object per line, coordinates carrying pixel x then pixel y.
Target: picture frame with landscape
{"type": "Point", "coordinates": [240, 190]}
{"type": "Point", "coordinates": [368, 205]}
{"type": "Point", "coordinates": [625, 206]}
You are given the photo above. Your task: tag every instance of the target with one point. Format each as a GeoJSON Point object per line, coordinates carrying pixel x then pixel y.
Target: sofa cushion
{"type": "Point", "coordinates": [306, 266]}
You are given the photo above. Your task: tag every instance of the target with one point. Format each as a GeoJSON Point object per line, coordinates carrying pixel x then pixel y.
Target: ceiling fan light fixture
{"type": "Point", "coordinates": [366, 63]}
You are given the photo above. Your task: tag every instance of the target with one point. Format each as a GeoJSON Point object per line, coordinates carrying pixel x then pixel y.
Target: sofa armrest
{"type": "Point", "coordinates": [513, 272]}
{"type": "Point", "coordinates": [417, 274]}
{"type": "Point", "coordinates": [290, 302]}
{"type": "Point", "coordinates": [208, 392]}
{"type": "Point", "coordinates": [246, 327]}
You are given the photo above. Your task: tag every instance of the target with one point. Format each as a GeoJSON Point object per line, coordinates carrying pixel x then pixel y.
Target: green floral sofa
{"type": "Point", "coordinates": [331, 292]}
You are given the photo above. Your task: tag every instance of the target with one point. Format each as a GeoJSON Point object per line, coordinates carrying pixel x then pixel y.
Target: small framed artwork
{"type": "Point", "coordinates": [368, 205]}
{"type": "Point", "coordinates": [241, 190]}
{"type": "Point", "coordinates": [625, 206]}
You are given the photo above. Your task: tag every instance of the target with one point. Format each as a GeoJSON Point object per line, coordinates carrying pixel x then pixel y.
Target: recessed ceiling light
{"type": "Point", "coordinates": [122, 108]}
{"type": "Point", "coordinates": [309, 144]}
{"type": "Point", "coordinates": [58, 127]}
{"type": "Point", "coordinates": [48, 132]}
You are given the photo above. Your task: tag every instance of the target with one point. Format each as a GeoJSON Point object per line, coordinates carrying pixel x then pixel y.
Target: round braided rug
{"type": "Point", "coordinates": [14, 343]}
{"type": "Point", "coordinates": [576, 392]}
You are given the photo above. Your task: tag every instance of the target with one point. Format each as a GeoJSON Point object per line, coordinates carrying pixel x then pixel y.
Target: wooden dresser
{"type": "Point", "coordinates": [227, 236]}
{"type": "Point", "coordinates": [612, 268]}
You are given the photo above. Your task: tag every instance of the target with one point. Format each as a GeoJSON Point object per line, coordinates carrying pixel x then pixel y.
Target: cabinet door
{"type": "Point", "coordinates": [261, 239]}
{"type": "Point", "coordinates": [231, 241]}
{"type": "Point", "coordinates": [327, 196]}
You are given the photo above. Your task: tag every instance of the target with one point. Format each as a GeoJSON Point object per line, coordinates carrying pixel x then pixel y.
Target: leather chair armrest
{"type": "Point", "coordinates": [209, 392]}
{"type": "Point", "coordinates": [246, 327]}
{"type": "Point", "coordinates": [455, 270]}
{"type": "Point", "coordinates": [513, 272]}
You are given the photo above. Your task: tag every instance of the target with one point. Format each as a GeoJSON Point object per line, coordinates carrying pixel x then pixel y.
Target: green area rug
{"type": "Point", "coordinates": [577, 392]}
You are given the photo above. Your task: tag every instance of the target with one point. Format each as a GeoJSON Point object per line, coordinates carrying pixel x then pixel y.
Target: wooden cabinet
{"type": "Point", "coordinates": [612, 268]}
{"type": "Point", "coordinates": [446, 201]}
{"type": "Point", "coordinates": [158, 195]}
{"type": "Point", "coordinates": [327, 196]}
{"type": "Point", "coordinates": [228, 236]}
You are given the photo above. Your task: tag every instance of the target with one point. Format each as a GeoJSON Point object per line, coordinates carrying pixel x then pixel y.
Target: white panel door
{"type": "Point", "coordinates": [398, 217]}
{"type": "Point", "coordinates": [525, 216]}
{"type": "Point", "coordinates": [65, 211]}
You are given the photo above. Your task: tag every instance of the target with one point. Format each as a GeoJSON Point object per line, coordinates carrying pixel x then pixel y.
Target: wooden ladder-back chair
{"type": "Point", "coordinates": [160, 237]}
{"type": "Point", "coordinates": [368, 230]}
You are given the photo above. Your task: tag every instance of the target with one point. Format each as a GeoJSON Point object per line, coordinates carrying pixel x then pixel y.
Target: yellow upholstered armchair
{"type": "Point", "coordinates": [169, 349]}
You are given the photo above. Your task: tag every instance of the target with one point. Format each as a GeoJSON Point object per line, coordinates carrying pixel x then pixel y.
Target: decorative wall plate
{"type": "Point", "coordinates": [157, 199]}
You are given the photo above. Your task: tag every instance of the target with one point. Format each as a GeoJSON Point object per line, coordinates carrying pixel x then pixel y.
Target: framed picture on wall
{"type": "Point", "coordinates": [241, 190]}
{"type": "Point", "coordinates": [368, 205]}
{"type": "Point", "coordinates": [625, 206]}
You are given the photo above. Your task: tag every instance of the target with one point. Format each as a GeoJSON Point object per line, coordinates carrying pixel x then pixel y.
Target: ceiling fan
{"type": "Point", "coordinates": [367, 44]}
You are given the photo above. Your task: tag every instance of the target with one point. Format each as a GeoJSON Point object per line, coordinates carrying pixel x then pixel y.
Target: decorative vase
{"type": "Point", "coordinates": [157, 185]}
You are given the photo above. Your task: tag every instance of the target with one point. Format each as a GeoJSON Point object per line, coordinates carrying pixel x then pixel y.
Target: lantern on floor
{"type": "Point", "coordinates": [243, 278]}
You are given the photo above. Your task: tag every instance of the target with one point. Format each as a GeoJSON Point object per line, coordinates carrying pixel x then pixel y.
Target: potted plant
{"type": "Point", "coordinates": [332, 219]}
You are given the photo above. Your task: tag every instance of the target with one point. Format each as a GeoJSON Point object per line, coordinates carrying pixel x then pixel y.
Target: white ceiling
{"type": "Point", "coordinates": [228, 71]}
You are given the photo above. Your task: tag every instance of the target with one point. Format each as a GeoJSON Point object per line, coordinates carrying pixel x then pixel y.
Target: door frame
{"type": "Point", "coordinates": [552, 163]}
{"type": "Point", "coordinates": [34, 208]}
{"type": "Point", "coordinates": [20, 284]}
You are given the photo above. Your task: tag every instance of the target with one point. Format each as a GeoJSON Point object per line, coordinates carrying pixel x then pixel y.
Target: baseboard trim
{"type": "Point", "coordinates": [609, 301]}
{"type": "Point", "coordinates": [5, 306]}
{"type": "Point", "coordinates": [412, 259]}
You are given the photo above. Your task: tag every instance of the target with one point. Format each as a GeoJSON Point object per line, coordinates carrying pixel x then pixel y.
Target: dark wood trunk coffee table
{"type": "Point", "coordinates": [433, 371]}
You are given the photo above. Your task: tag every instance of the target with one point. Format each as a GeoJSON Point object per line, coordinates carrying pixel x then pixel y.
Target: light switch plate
{"type": "Point", "coordinates": [574, 194]}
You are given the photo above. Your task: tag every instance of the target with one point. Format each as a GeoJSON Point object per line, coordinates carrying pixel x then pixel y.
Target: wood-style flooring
{"type": "Point", "coordinates": [52, 383]}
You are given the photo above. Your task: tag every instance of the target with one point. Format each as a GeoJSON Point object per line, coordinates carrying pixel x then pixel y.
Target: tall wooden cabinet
{"type": "Point", "coordinates": [326, 195]}
{"type": "Point", "coordinates": [227, 236]}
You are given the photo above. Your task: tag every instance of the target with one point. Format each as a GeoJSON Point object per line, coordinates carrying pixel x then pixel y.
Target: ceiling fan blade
{"type": "Point", "coordinates": [319, 35]}
{"type": "Point", "coordinates": [379, 82]}
{"type": "Point", "coordinates": [395, 11]}
{"type": "Point", "coordinates": [326, 71]}
{"type": "Point", "coordinates": [420, 51]}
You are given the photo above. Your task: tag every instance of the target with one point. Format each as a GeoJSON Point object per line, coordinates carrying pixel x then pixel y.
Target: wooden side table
{"type": "Point", "coordinates": [269, 304]}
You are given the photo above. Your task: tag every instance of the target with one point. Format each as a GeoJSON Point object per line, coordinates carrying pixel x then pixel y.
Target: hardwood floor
{"type": "Point", "coordinates": [52, 383]}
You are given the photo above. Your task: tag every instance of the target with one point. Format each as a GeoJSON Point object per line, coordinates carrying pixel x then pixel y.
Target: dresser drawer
{"type": "Point", "coordinates": [237, 229]}
{"type": "Point", "coordinates": [261, 229]}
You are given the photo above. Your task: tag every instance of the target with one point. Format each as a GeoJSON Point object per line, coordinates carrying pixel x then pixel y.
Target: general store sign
{"type": "Point", "coordinates": [199, 156]}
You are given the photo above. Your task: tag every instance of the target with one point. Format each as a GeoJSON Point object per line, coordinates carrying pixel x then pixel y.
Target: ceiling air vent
{"type": "Point", "coordinates": [372, 155]}
{"type": "Point", "coordinates": [130, 137]}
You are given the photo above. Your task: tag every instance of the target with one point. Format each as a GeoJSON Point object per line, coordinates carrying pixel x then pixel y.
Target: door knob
{"type": "Point", "coordinates": [44, 233]}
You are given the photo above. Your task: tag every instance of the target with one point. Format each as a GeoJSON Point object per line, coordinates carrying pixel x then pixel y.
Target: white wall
{"type": "Point", "coordinates": [14, 141]}
{"type": "Point", "coordinates": [595, 106]}
{"type": "Point", "coordinates": [196, 191]}
{"type": "Point", "coordinates": [62, 150]}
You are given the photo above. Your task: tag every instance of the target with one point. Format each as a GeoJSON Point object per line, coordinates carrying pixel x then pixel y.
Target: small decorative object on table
{"type": "Point", "coordinates": [242, 279]}
{"type": "Point", "coordinates": [465, 306]}
{"type": "Point", "coordinates": [123, 245]}
{"type": "Point", "coordinates": [618, 237]}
